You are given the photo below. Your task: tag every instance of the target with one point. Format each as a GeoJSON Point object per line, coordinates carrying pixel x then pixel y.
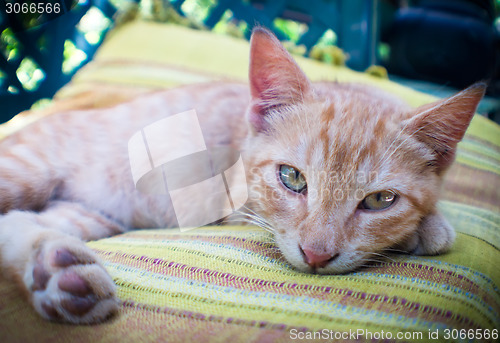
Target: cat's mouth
{"type": "Point", "coordinates": [340, 263]}
{"type": "Point", "coordinates": [337, 266]}
{"type": "Point", "coordinates": [306, 261]}
{"type": "Point", "coordinates": [332, 268]}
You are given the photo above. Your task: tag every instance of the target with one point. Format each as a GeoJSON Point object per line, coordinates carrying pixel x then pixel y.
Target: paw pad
{"type": "Point", "coordinates": [70, 285]}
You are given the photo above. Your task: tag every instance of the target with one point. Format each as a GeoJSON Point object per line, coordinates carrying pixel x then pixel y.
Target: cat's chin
{"type": "Point", "coordinates": [335, 268]}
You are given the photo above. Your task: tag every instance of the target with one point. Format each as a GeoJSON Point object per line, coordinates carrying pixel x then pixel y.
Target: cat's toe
{"type": "Point", "coordinates": [63, 258]}
{"type": "Point", "coordinates": [50, 311]}
{"type": "Point", "coordinates": [79, 306]}
{"type": "Point", "coordinates": [40, 274]}
{"type": "Point", "coordinates": [70, 285]}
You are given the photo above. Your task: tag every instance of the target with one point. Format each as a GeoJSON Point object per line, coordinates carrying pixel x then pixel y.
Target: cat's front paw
{"type": "Point", "coordinates": [434, 236]}
{"type": "Point", "coordinates": [68, 284]}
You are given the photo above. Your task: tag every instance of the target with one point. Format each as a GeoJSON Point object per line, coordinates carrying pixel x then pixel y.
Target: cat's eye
{"type": "Point", "coordinates": [292, 178]}
{"type": "Point", "coordinates": [378, 201]}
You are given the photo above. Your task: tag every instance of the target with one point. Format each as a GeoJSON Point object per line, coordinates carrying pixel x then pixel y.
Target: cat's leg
{"type": "Point", "coordinates": [45, 253]}
{"type": "Point", "coordinates": [28, 176]}
{"type": "Point", "coordinates": [433, 236]}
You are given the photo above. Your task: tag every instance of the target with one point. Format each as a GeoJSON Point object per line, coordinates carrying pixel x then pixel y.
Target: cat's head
{"type": "Point", "coordinates": [343, 172]}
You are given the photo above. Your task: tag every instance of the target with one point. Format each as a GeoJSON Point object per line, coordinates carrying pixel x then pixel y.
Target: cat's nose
{"type": "Point", "coordinates": [317, 260]}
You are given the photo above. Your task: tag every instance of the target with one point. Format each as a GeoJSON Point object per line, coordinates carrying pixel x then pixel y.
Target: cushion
{"type": "Point", "coordinates": [231, 283]}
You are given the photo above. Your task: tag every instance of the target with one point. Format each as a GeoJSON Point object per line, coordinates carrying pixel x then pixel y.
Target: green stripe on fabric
{"type": "Point", "coordinates": [216, 250]}
{"type": "Point", "coordinates": [477, 146]}
{"type": "Point", "coordinates": [477, 161]}
{"type": "Point", "coordinates": [474, 221]}
{"type": "Point", "coordinates": [485, 129]}
{"type": "Point", "coordinates": [183, 47]}
{"type": "Point", "coordinates": [415, 277]}
{"type": "Point", "coordinates": [474, 253]}
{"type": "Point", "coordinates": [140, 74]}
{"type": "Point", "coordinates": [235, 297]}
{"type": "Point", "coordinates": [442, 291]}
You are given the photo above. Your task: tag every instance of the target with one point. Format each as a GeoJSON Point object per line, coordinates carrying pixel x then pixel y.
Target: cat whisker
{"type": "Point", "coordinates": [250, 216]}
{"type": "Point", "coordinates": [252, 222]}
{"type": "Point", "coordinates": [397, 251]}
{"type": "Point", "coordinates": [241, 216]}
{"type": "Point", "coordinates": [372, 262]}
{"type": "Point", "coordinates": [384, 256]}
{"type": "Point", "coordinates": [249, 210]}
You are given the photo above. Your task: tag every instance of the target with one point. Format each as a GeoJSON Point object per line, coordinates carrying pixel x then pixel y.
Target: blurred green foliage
{"type": "Point", "coordinates": [94, 24]}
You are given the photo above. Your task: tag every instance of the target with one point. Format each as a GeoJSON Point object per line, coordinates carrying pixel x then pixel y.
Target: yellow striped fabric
{"type": "Point", "coordinates": [231, 284]}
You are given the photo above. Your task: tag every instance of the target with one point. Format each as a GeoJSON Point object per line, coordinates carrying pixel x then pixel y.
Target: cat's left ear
{"type": "Point", "coordinates": [441, 125]}
{"type": "Point", "coordinates": [275, 78]}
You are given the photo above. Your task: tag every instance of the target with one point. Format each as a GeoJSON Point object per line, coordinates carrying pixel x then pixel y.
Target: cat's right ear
{"type": "Point", "coordinates": [442, 124]}
{"type": "Point", "coordinates": [275, 79]}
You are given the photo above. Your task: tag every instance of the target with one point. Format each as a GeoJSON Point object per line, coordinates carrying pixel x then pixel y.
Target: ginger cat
{"type": "Point", "coordinates": [339, 172]}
